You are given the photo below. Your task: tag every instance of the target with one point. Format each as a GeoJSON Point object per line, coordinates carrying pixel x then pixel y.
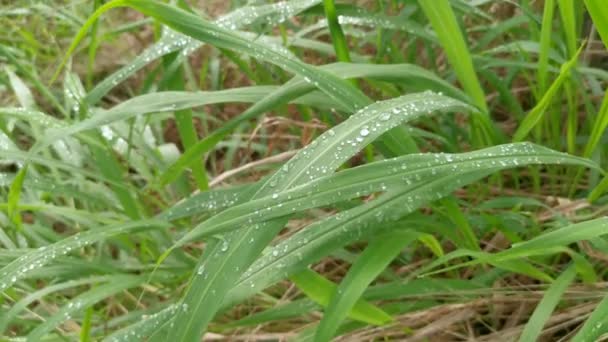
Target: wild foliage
{"type": "Point", "coordinates": [303, 170]}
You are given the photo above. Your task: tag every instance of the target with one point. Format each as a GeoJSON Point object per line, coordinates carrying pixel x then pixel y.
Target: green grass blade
{"type": "Point", "coordinates": [545, 46]}
{"type": "Point", "coordinates": [323, 156]}
{"type": "Point", "coordinates": [599, 14]}
{"type": "Point", "coordinates": [21, 305]}
{"type": "Point", "coordinates": [335, 146]}
{"type": "Point", "coordinates": [545, 307]}
{"type": "Point", "coordinates": [202, 30]}
{"type": "Point", "coordinates": [448, 31]}
{"type": "Point", "coordinates": [14, 195]}
{"type": "Point", "coordinates": [298, 87]}
{"type": "Point", "coordinates": [596, 325]}
{"type": "Point", "coordinates": [79, 303]}
{"type": "Point", "coordinates": [320, 290]}
{"type": "Point", "coordinates": [444, 23]}
{"type": "Point", "coordinates": [187, 131]}
{"type": "Point", "coordinates": [26, 265]}
{"type": "Point", "coordinates": [209, 201]}
{"type": "Point", "coordinates": [318, 240]}
{"type": "Point", "coordinates": [567, 12]}
{"type": "Point", "coordinates": [599, 126]}
{"type": "Point", "coordinates": [337, 36]}
{"type": "Point", "coordinates": [599, 190]}
{"type": "Point", "coordinates": [374, 259]}
{"type": "Point", "coordinates": [536, 114]}
{"type": "Point", "coordinates": [146, 326]}
{"type": "Point", "coordinates": [172, 41]}
{"type": "Point", "coordinates": [372, 178]}
{"type": "Point", "coordinates": [110, 167]}
{"type": "Point", "coordinates": [548, 243]}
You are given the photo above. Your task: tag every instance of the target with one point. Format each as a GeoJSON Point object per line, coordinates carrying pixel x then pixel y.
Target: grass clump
{"type": "Point", "coordinates": [303, 170]}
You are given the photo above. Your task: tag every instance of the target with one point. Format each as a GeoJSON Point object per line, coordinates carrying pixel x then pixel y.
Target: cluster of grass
{"type": "Point", "coordinates": [303, 170]}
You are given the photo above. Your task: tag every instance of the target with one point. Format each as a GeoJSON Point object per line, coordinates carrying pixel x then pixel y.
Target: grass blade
{"type": "Point", "coordinates": [82, 301]}
{"type": "Point", "coordinates": [545, 46]}
{"type": "Point", "coordinates": [202, 30]}
{"type": "Point", "coordinates": [374, 259]}
{"type": "Point", "coordinates": [337, 36]}
{"type": "Point", "coordinates": [448, 31]}
{"type": "Point", "coordinates": [596, 325]}
{"type": "Point", "coordinates": [320, 290]}
{"type": "Point", "coordinates": [545, 307]}
{"type": "Point", "coordinates": [536, 114]}
{"type": "Point", "coordinates": [28, 263]}
{"type": "Point", "coordinates": [238, 250]}
{"type": "Point", "coordinates": [599, 14]}
{"type": "Point", "coordinates": [13, 197]}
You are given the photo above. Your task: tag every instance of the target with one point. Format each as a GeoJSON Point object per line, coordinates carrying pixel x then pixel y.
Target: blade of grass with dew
{"type": "Point", "coordinates": [342, 92]}
{"type": "Point", "coordinates": [293, 89]}
{"type": "Point", "coordinates": [84, 300]}
{"type": "Point", "coordinates": [596, 325]}
{"type": "Point", "coordinates": [166, 101]}
{"type": "Point", "coordinates": [26, 157]}
{"type": "Point", "coordinates": [372, 261]}
{"type": "Point", "coordinates": [144, 327]}
{"type": "Point", "coordinates": [545, 307]}
{"type": "Point", "coordinates": [332, 148]}
{"type": "Point", "coordinates": [368, 179]}
{"type": "Point", "coordinates": [535, 115]}
{"type": "Point", "coordinates": [217, 36]}
{"type": "Point", "coordinates": [322, 237]}
{"type": "Point", "coordinates": [209, 201]}
{"type": "Point", "coordinates": [25, 265]}
{"type": "Point", "coordinates": [320, 290]}
{"type": "Point", "coordinates": [324, 155]}
{"type": "Point", "coordinates": [172, 41]}
{"type": "Point", "coordinates": [297, 87]}
{"type": "Point", "coordinates": [22, 304]}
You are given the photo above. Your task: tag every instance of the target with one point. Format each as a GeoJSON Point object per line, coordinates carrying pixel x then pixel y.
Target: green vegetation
{"type": "Point", "coordinates": [303, 170]}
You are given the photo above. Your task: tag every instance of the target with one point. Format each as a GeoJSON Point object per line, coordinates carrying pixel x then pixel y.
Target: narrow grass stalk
{"type": "Point", "coordinates": [545, 47]}
{"type": "Point", "coordinates": [443, 21]}
{"type": "Point", "coordinates": [536, 114]}
{"type": "Point", "coordinates": [337, 35]}
{"type": "Point", "coordinates": [187, 131]}
{"type": "Point", "coordinates": [545, 307]}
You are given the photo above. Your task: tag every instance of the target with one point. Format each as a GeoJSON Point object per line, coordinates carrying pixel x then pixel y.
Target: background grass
{"type": "Point", "coordinates": [303, 170]}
